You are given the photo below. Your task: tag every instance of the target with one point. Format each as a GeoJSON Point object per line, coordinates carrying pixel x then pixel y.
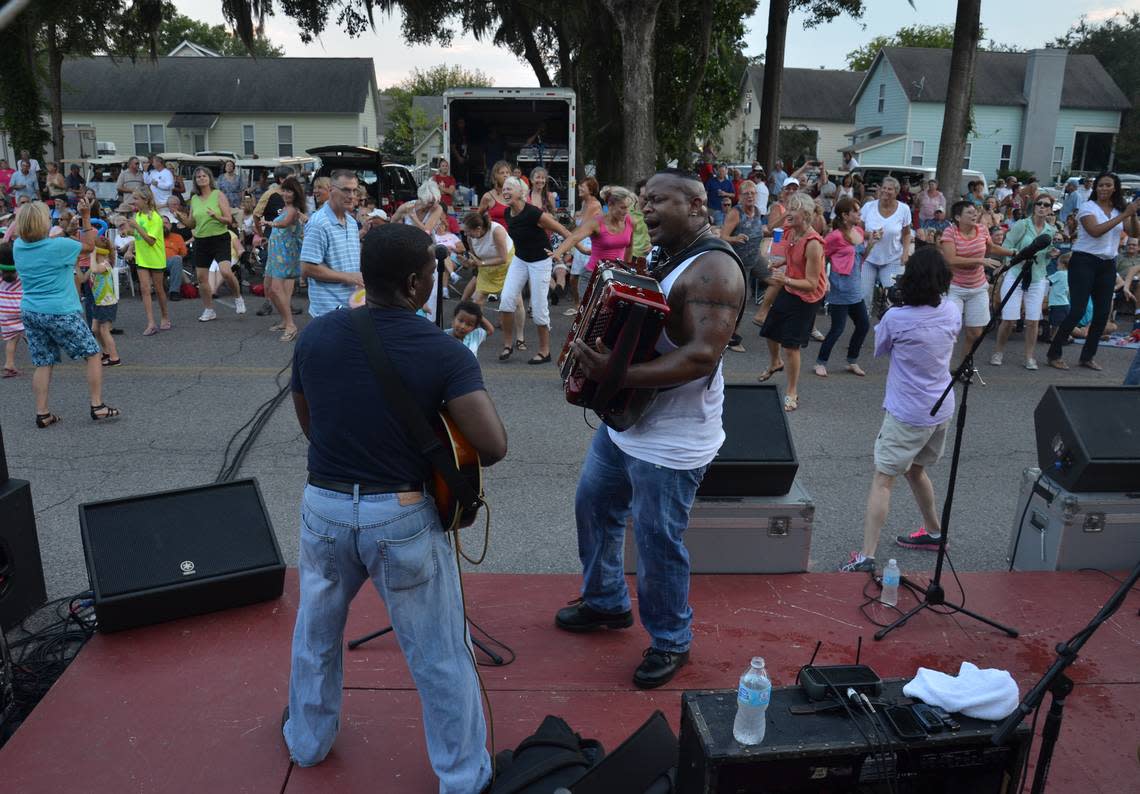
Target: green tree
{"type": "Point", "coordinates": [1115, 42]}
{"type": "Point", "coordinates": [219, 38]}
{"type": "Point", "coordinates": [936, 36]}
{"type": "Point", "coordinates": [405, 121]}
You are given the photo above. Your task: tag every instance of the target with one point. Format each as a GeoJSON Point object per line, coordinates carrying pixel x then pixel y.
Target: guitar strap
{"type": "Point", "coordinates": [415, 423]}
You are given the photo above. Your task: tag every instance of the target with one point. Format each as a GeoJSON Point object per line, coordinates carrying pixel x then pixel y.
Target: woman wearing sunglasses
{"type": "Point", "coordinates": [1020, 235]}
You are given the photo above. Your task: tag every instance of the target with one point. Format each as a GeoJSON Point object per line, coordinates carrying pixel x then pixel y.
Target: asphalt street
{"type": "Point", "coordinates": [184, 393]}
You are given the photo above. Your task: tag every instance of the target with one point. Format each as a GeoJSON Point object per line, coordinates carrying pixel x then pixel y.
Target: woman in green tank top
{"type": "Point", "coordinates": [210, 218]}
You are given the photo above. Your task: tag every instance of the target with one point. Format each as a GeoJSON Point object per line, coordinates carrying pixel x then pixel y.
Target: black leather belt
{"type": "Point", "coordinates": [366, 489]}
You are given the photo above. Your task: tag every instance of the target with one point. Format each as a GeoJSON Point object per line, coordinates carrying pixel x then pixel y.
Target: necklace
{"type": "Point", "coordinates": [664, 264]}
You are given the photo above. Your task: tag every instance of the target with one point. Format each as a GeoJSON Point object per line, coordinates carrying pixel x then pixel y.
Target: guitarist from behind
{"type": "Point", "coordinates": [366, 514]}
{"type": "Point", "coordinates": [652, 470]}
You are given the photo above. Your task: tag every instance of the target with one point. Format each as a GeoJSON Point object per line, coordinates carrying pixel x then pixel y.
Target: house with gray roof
{"type": "Point", "coordinates": [815, 103]}
{"type": "Point", "coordinates": [1046, 111]}
{"type": "Point", "coordinates": [273, 107]}
{"type": "Point", "coordinates": [427, 129]}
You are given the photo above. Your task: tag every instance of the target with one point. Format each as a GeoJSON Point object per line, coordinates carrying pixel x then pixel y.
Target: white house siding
{"type": "Point", "coordinates": [309, 130]}
{"type": "Point", "coordinates": [738, 139]}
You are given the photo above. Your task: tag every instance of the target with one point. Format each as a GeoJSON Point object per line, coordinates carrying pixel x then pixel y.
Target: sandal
{"type": "Point", "coordinates": [768, 373]}
{"type": "Point", "coordinates": [102, 411]}
{"type": "Point", "coordinates": [1057, 363]}
{"type": "Point", "coordinates": [46, 420]}
{"type": "Point", "coordinates": [277, 327]}
{"type": "Point", "coordinates": [10, 373]}
{"type": "Point", "coordinates": [540, 359]}
{"type": "Point", "coordinates": [758, 322]}
{"type": "Point", "coordinates": [150, 331]}
{"type": "Point", "coordinates": [520, 345]}
{"type": "Point", "coordinates": [165, 326]}
{"type": "Point", "coordinates": [855, 369]}
{"type": "Point", "coordinates": [821, 370]}
{"type": "Point", "coordinates": [791, 402]}
{"type": "Point", "coordinates": [112, 362]}
{"type": "Point", "coordinates": [289, 335]}
{"type": "Point", "coordinates": [506, 353]}
{"type": "Point", "coordinates": [1091, 364]}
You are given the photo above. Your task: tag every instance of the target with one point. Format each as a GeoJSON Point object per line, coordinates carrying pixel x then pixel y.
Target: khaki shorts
{"type": "Point", "coordinates": [900, 446]}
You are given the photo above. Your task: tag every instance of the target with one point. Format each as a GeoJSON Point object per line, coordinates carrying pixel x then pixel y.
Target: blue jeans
{"type": "Point", "coordinates": [346, 540]}
{"type": "Point", "coordinates": [1132, 377]}
{"type": "Point", "coordinates": [174, 274]}
{"type": "Point", "coordinates": [839, 315]}
{"type": "Point", "coordinates": [614, 485]}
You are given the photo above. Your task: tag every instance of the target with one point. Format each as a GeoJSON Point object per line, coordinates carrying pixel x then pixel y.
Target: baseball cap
{"type": "Point", "coordinates": [378, 213]}
{"type": "Point", "coordinates": [791, 181]}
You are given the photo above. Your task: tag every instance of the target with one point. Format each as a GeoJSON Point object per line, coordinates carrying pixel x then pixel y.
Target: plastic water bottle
{"type": "Point", "coordinates": [752, 704]}
{"type": "Point", "coordinates": [891, 575]}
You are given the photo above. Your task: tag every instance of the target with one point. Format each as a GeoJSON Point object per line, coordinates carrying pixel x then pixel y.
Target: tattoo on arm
{"type": "Point", "coordinates": [712, 303]}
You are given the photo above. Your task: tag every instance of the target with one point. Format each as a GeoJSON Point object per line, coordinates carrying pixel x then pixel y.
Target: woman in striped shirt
{"type": "Point", "coordinates": [967, 248]}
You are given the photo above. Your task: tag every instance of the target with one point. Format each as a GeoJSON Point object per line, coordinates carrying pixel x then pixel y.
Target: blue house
{"type": "Point", "coordinates": [1044, 111]}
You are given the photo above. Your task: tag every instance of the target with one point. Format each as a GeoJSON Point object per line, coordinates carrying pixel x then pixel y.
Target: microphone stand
{"type": "Point", "coordinates": [439, 281]}
{"type": "Point", "coordinates": [1059, 685]}
{"type": "Point", "coordinates": [935, 594]}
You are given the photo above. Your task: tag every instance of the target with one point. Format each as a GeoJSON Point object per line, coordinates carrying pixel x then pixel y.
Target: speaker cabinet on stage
{"type": "Point", "coordinates": [757, 457]}
{"type": "Point", "coordinates": [750, 534]}
{"type": "Point", "coordinates": [1058, 530]}
{"type": "Point", "coordinates": [178, 553]}
{"type": "Point", "coordinates": [1088, 437]}
{"type": "Point", "coordinates": [828, 752]}
{"type": "Point", "coordinates": [21, 571]}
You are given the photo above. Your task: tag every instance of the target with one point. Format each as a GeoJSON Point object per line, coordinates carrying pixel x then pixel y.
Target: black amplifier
{"type": "Point", "coordinates": [825, 751]}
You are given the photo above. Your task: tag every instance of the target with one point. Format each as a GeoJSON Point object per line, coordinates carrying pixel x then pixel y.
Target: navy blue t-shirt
{"type": "Point", "coordinates": [713, 186]}
{"type": "Point", "coordinates": [354, 436]}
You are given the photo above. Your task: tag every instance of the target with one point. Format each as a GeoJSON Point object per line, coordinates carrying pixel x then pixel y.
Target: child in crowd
{"type": "Point", "coordinates": [11, 293]}
{"type": "Point", "coordinates": [1059, 291]}
{"type": "Point", "coordinates": [105, 289]}
{"type": "Point", "coordinates": [470, 327]}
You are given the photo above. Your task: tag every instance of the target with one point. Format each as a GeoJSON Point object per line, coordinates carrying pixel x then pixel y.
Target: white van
{"type": "Point", "coordinates": [914, 174]}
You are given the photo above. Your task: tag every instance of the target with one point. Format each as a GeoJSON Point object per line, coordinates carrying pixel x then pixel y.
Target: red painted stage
{"type": "Point", "coordinates": [195, 705]}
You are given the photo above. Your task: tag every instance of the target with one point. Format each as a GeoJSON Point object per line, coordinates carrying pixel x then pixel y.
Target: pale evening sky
{"type": "Point", "coordinates": [825, 46]}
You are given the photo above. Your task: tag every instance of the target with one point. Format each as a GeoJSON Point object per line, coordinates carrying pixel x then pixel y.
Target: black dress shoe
{"type": "Point", "coordinates": [579, 617]}
{"type": "Point", "coordinates": [265, 310]}
{"type": "Point", "coordinates": [658, 668]}
{"type": "Point", "coordinates": [175, 296]}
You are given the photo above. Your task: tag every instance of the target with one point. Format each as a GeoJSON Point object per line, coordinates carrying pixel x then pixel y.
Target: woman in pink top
{"type": "Point", "coordinates": [611, 234]}
{"type": "Point", "coordinates": [804, 282]}
{"type": "Point", "coordinates": [929, 201]}
{"type": "Point", "coordinates": [967, 248]}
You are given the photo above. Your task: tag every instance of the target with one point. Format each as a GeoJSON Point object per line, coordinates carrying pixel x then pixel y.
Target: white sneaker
{"type": "Point", "coordinates": [1031, 363]}
{"type": "Point", "coordinates": [995, 359]}
{"type": "Point", "coordinates": [207, 315]}
{"type": "Point", "coordinates": [239, 305]}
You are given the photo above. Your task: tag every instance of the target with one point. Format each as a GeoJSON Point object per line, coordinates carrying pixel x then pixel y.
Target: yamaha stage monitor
{"type": "Point", "coordinates": [177, 553]}
{"type": "Point", "coordinates": [757, 457]}
{"type": "Point", "coordinates": [1088, 438]}
{"type": "Point", "coordinates": [21, 571]}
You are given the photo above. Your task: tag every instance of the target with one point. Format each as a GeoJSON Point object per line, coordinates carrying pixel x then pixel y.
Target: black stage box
{"type": "Point", "coordinates": [757, 457]}
{"type": "Point", "coordinates": [826, 752]}
{"type": "Point", "coordinates": [1088, 437]}
{"type": "Point", "coordinates": [176, 553]}
{"type": "Point", "coordinates": [21, 571]}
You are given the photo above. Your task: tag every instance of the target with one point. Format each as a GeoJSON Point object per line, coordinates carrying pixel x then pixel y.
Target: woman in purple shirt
{"type": "Point", "coordinates": [919, 336]}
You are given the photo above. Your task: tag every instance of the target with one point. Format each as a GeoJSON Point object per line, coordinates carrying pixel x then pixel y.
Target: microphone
{"type": "Point", "coordinates": [442, 252]}
{"type": "Point", "coordinates": [1028, 252]}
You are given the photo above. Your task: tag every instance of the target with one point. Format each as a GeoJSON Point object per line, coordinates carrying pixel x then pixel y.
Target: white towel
{"type": "Point", "coordinates": [982, 694]}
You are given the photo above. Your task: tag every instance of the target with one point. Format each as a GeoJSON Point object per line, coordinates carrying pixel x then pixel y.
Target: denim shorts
{"type": "Point", "coordinates": [106, 314]}
{"type": "Point", "coordinates": [48, 334]}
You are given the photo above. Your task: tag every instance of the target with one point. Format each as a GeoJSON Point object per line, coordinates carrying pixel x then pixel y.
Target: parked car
{"type": "Point", "coordinates": [391, 184]}
{"type": "Point", "coordinates": [916, 174]}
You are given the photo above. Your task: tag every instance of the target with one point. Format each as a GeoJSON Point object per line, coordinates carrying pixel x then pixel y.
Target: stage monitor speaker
{"type": "Point", "coordinates": [21, 571]}
{"type": "Point", "coordinates": [3, 460]}
{"type": "Point", "coordinates": [757, 457]}
{"type": "Point", "coordinates": [177, 553]}
{"type": "Point", "coordinates": [1088, 437]}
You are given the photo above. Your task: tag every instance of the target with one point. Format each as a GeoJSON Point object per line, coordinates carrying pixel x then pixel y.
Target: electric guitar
{"type": "Point", "coordinates": [453, 515]}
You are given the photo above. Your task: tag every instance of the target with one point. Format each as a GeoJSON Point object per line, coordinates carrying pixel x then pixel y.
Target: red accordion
{"type": "Point", "coordinates": [628, 311]}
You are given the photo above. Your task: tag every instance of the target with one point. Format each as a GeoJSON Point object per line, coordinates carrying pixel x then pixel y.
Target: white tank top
{"type": "Point", "coordinates": [682, 429]}
{"type": "Point", "coordinates": [484, 247]}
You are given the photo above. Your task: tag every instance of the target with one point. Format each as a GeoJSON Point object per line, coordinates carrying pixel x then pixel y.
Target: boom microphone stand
{"type": "Point", "coordinates": [935, 594]}
{"type": "Point", "coordinates": [1058, 685]}
{"type": "Point", "coordinates": [441, 255]}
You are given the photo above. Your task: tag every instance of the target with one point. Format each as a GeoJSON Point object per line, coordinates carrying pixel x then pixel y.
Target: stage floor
{"type": "Point", "coordinates": [195, 705]}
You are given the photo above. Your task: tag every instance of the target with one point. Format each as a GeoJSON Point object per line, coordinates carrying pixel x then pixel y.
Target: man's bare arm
{"type": "Point", "coordinates": [326, 273]}
{"type": "Point", "coordinates": [711, 294]}
{"type": "Point", "coordinates": [480, 424]}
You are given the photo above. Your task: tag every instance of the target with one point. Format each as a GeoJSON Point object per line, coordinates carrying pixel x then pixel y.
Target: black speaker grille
{"type": "Point", "coordinates": [1105, 420]}
{"type": "Point", "coordinates": [754, 425]}
{"type": "Point", "coordinates": [163, 539]}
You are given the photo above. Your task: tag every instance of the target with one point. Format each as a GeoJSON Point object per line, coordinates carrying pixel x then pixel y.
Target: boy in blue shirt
{"type": "Point", "coordinates": [469, 326]}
